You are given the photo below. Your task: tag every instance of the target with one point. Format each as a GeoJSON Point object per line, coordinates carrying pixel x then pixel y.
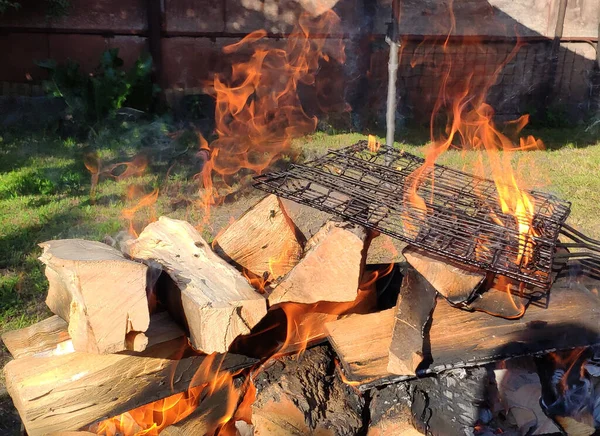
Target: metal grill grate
{"type": "Point", "coordinates": [463, 220]}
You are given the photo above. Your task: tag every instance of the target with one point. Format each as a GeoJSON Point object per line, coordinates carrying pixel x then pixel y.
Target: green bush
{"type": "Point", "coordinates": [93, 97]}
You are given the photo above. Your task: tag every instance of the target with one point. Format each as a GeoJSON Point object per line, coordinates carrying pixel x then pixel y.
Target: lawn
{"type": "Point", "coordinates": [45, 192]}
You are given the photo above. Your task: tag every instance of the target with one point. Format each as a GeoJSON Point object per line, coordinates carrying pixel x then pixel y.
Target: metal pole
{"type": "Point", "coordinates": [390, 118]}
{"type": "Point", "coordinates": [394, 42]}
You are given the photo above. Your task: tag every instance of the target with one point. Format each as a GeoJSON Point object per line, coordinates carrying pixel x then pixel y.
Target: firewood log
{"type": "Point", "coordinates": [217, 302]}
{"type": "Point", "coordinates": [101, 294]}
{"type": "Point", "coordinates": [50, 337]}
{"type": "Point", "coordinates": [71, 391]}
{"type": "Point", "coordinates": [330, 269]}
{"type": "Point", "coordinates": [416, 302]}
{"type": "Point", "coordinates": [459, 338]}
{"type": "Point", "coordinates": [37, 339]}
{"type": "Point", "coordinates": [264, 241]}
{"type": "Point", "coordinates": [457, 283]}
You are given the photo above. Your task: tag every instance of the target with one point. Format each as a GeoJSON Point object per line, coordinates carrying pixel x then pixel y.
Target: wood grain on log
{"type": "Point", "coordinates": [71, 391]}
{"type": "Point", "coordinates": [457, 283]}
{"type": "Point", "coordinates": [218, 303]}
{"type": "Point", "coordinates": [416, 302]}
{"type": "Point", "coordinates": [264, 241]}
{"type": "Point", "coordinates": [330, 269]}
{"type": "Point", "coordinates": [460, 339]}
{"type": "Point", "coordinates": [101, 294]}
{"type": "Point", "coordinates": [37, 339]}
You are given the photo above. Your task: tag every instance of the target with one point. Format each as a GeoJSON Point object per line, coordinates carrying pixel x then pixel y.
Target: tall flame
{"type": "Point", "coordinates": [470, 126]}
{"type": "Point", "coordinates": [258, 109]}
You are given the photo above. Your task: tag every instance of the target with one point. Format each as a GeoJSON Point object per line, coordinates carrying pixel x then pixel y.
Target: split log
{"type": "Point", "coordinates": [461, 339]}
{"type": "Point", "coordinates": [416, 302]}
{"type": "Point", "coordinates": [457, 283]}
{"type": "Point", "coordinates": [218, 304]}
{"type": "Point", "coordinates": [326, 405]}
{"type": "Point", "coordinates": [71, 391]}
{"type": "Point", "coordinates": [51, 337]}
{"type": "Point", "coordinates": [37, 339]}
{"type": "Point", "coordinates": [264, 241]}
{"type": "Point", "coordinates": [101, 294]}
{"type": "Point", "coordinates": [330, 269]}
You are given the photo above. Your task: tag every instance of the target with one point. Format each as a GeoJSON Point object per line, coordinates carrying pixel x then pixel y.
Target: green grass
{"type": "Point", "coordinates": [568, 167]}
{"type": "Point", "coordinates": [45, 192]}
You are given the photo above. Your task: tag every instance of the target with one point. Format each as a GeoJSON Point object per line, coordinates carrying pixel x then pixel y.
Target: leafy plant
{"type": "Point", "coordinates": [93, 97]}
{"type": "Point", "coordinates": [54, 8]}
{"type": "Point", "coordinates": [7, 4]}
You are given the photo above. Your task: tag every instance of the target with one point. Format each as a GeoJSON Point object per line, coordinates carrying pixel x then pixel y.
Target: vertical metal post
{"type": "Point", "coordinates": [390, 118]}
{"type": "Point", "coordinates": [394, 42]}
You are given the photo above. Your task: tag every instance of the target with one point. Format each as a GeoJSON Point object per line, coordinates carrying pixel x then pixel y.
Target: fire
{"type": "Point", "coordinates": [470, 126]}
{"type": "Point", "coordinates": [118, 171]}
{"type": "Point", "coordinates": [373, 144]}
{"type": "Point", "coordinates": [146, 201]}
{"type": "Point", "coordinates": [212, 393]}
{"type": "Point", "coordinates": [258, 111]}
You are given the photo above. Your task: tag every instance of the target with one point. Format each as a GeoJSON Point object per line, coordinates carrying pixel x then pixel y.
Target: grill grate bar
{"type": "Point", "coordinates": [463, 220]}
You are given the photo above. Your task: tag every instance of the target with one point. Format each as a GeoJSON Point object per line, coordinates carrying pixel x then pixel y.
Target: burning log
{"type": "Point", "coordinates": [456, 283]}
{"type": "Point", "coordinates": [37, 339]}
{"type": "Point", "coordinates": [330, 269]}
{"type": "Point", "coordinates": [71, 391]}
{"type": "Point", "coordinates": [459, 338]}
{"type": "Point", "coordinates": [216, 302]}
{"type": "Point", "coordinates": [327, 405]}
{"type": "Point", "coordinates": [101, 294]}
{"type": "Point", "coordinates": [413, 311]}
{"type": "Point", "coordinates": [206, 418]}
{"type": "Point", "coordinates": [264, 241]}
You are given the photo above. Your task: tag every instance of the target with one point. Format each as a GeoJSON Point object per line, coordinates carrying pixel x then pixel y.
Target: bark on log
{"type": "Point", "coordinates": [71, 391]}
{"type": "Point", "coordinates": [38, 339]}
{"type": "Point", "coordinates": [264, 241]}
{"type": "Point", "coordinates": [457, 283]}
{"type": "Point", "coordinates": [101, 294]}
{"type": "Point", "coordinates": [413, 310]}
{"type": "Point", "coordinates": [461, 339]}
{"type": "Point", "coordinates": [331, 268]}
{"type": "Point", "coordinates": [217, 302]}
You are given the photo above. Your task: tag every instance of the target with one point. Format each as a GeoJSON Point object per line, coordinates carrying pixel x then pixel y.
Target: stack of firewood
{"type": "Point", "coordinates": [133, 325]}
{"type": "Point", "coordinates": [111, 347]}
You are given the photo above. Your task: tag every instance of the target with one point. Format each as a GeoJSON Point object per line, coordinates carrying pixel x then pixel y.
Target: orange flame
{"type": "Point", "coordinates": [258, 111]}
{"type": "Point", "coordinates": [470, 126]}
{"type": "Point", "coordinates": [213, 388]}
{"type": "Point", "coordinates": [146, 201]}
{"type": "Point", "coordinates": [373, 144]}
